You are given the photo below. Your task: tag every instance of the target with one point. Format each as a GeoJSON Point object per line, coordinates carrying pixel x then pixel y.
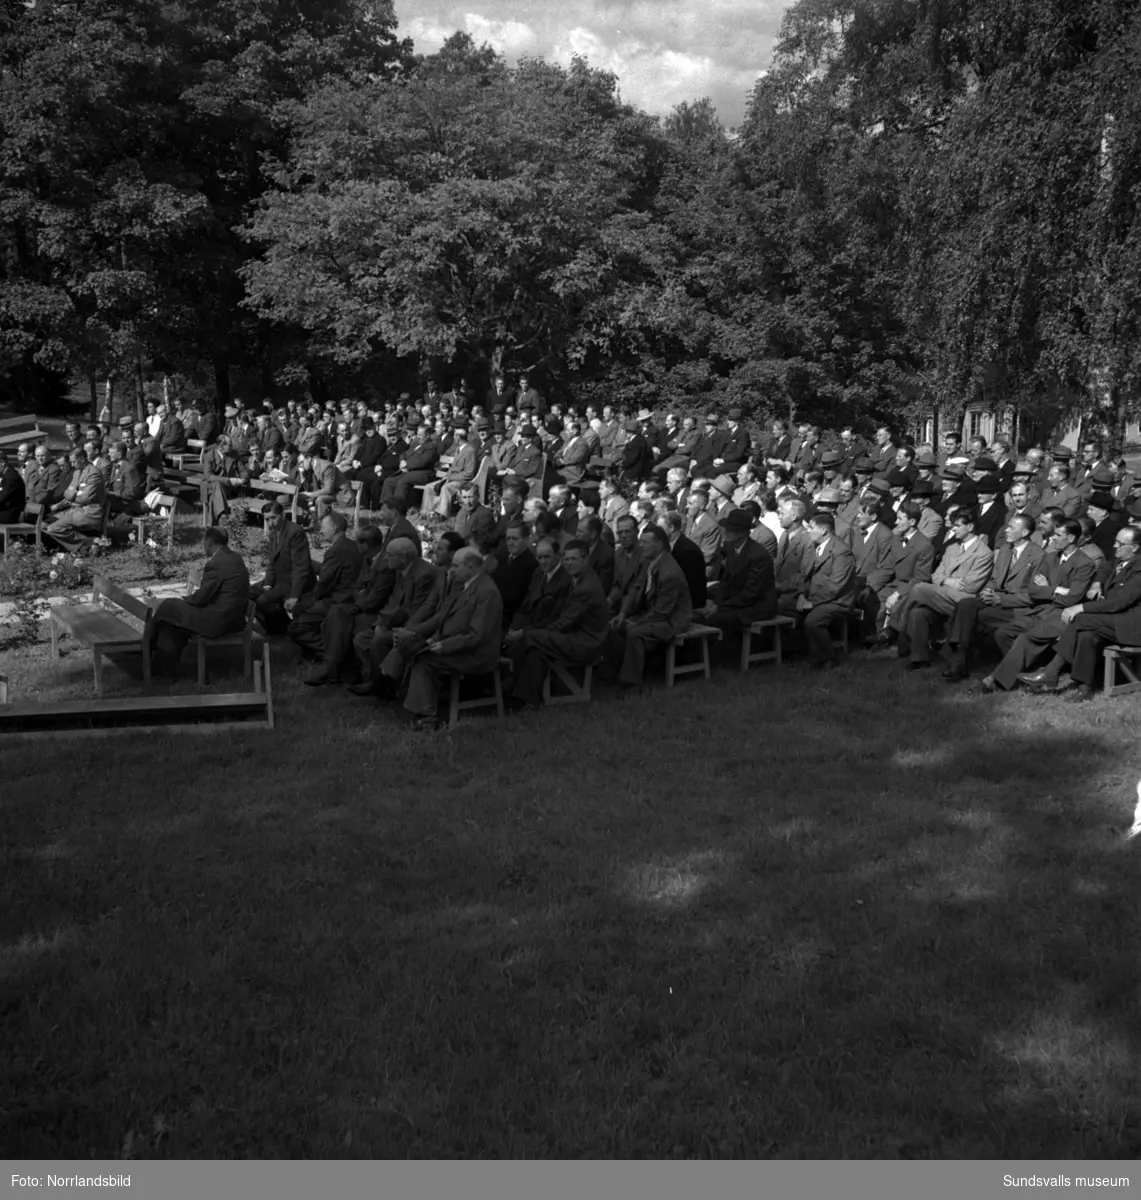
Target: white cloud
{"type": "Point", "coordinates": [663, 51]}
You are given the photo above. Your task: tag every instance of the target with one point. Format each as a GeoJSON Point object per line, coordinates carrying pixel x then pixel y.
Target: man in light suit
{"type": "Point", "coordinates": [656, 608]}
{"type": "Point", "coordinates": [289, 575]}
{"type": "Point", "coordinates": [217, 607]}
{"type": "Point", "coordinates": [322, 480]}
{"type": "Point", "coordinates": [576, 635]}
{"type": "Point", "coordinates": [461, 637]}
{"type": "Point", "coordinates": [464, 468]}
{"type": "Point", "coordinates": [1062, 581]}
{"type": "Point", "coordinates": [1093, 624]}
{"type": "Point", "coordinates": [572, 460]}
{"type": "Point", "coordinates": [1004, 598]}
{"type": "Point", "coordinates": [702, 529]}
{"type": "Point", "coordinates": [827, 590]}
{"type": "Point", "coordinates": [964, 569]}
{"type": "Point", "coordinates": [81, 509]}
{"type": "Point", "coordinates": [794, 548]}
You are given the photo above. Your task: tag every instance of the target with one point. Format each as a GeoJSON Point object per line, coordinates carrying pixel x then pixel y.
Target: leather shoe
{"type": "Point", "coordinates": [955, 674]}
{"type": "Point", "coordinates": [320, 677]}
{"type": "Point", "coordinates": [1039, 679]}
{"type": "Point", "coordinates": [1080, 694]}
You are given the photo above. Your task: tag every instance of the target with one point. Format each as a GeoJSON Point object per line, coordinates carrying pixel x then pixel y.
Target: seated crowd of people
{"type": "Point", "coordinates": [596, 538]}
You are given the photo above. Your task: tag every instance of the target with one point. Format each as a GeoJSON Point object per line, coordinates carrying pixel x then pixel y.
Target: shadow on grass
{"type": "Point", "coordinates": [776, 915]}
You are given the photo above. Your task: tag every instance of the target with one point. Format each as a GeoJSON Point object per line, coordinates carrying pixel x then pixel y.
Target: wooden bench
{"type": "Point", "coordinates": [703, 635]}
{"type": "Point", "coordinates": [14, 430]}
{"type": "Point", "coordinates": [573, 691]}
{"type": "Point", "coordinates": [456, 705]}
{"type": "Point", "coordinates": [1127, 660]}
{"type": "Point", "coordinates": [102, 629]}
{"type": "Point", "coordinates": [749, 656]}
{"type": "Point", "coordinates": [145, 714]}
{"type": "Point", "coordinates": [26, 528]}
{"type": "Point", "coordinates": [259, 503]}
{"type": "Point", "coordinates": [244, 638]}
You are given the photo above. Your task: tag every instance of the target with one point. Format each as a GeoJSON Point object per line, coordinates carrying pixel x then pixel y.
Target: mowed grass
{"type": "Point", "coordinates": [779, 915]}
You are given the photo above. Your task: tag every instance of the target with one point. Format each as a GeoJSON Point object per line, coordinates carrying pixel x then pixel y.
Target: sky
{"type": "Point", "coordinates": [663, 51]}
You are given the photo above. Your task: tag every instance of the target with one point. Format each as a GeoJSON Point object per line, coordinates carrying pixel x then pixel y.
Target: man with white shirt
{"type": "Point", "coordinates": [1003, 601]}
{"type": "Point", "coordinates": [963, 572]}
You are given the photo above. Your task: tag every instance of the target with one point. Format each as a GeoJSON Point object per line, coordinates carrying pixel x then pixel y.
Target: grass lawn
{"type": "Point", "coordinates": [770, 916]}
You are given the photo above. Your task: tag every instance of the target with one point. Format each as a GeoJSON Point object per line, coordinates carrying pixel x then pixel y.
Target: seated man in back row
{"type": "Point", "coordinates": [745, 588]}
{"type": "Point", "coordinates": [290, 573]}
{"type": "Point", "coordinates": [217, 607]}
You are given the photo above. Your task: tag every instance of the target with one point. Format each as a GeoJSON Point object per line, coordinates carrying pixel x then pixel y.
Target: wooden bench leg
{"type": "Point", "coordinates": [499, 711]}
{"type": "Point", "coordinates": [777, 644]}
{"type": "Point", "coordinates": [201, 663]}
{"type": "Point", "coordinates": [671, 652]}
{"type": "Point", "coordinates": [746, 646]}
{"type": "Point", "coordinates": [98, 660]}
{"type": "Point", "coordinates": [54, 626]}
{"type": "Point", "coordinates": [705, 658]}
{"type": "Point", "coordinates": [454, 702]}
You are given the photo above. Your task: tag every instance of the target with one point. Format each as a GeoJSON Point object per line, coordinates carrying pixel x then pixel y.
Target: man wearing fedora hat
{"type": "Point", "coordinates": [828, 500]}
{"type": "Point", "coordinates": [738, 445]}
{"type": "Point", "coordinates": [744, 588]}
{"type": "Point", "coordinates": [710, 446]}
{"type": "Point", "coordinates": [922, 495]}
{"type": "Point", "coordinates": [635, 459]}
{"type": "Point", "coordinates": [679, 448]}
{"type": "Point", "coordinates": [1106, 522]}
{"type": "Point", "coordinates": [991, 510]}
{"type": "Point", "coordinates": [830, 463]}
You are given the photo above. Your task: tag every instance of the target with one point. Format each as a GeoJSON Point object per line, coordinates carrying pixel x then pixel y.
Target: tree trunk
{"type": "Point", "coordinates": [93, 391]}
{"type": "Point", "coordinates": [1116, 419]}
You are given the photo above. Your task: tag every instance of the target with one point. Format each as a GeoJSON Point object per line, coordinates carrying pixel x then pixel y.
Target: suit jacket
{"type": "Point", "coordinates": [738, 446]}
{"type": "Point", "coordinates": [323, 478]}
{"type": "Point", "coordinates": [465, 464]}
{"type": "Point", "coordinates": [1066, 498]}
{"type": "Point", "coordinates": [883, 457]}
{"type": "Point", "coordinates": [422, 458]}
{"type": "Point", "coordinates": [626, 568]}
{"type": "Point", "coordinates": [309, 441]}
{"type": "Point", "coordinates": [44, 485]}
{"type": "Point", "coordinates": [791, 562]}
{"type": "Point", "coordinates": [830, 577]}
{"type": "Point", "coordinates": [528, 464]}
{"type": "Point", "coordinates": [637, 459]}
{"type": "Point", "coordinates": [705, 533]}
{"type": "Point", "coordinates": [776, 449]}
{"type": "Point", "coordinates": [126, 482]}
{"type": "Point", "coordinates": [340, 571]}
{"type": "Point", "coordinates": [290, 566]}
{"type": "Point", "coordinates": [207, 431]}
{"type": "Point", "coordinates": [1105, 534]}
{"type": "Point", "coordinates": [746, 582]}
{"type": "Point", "coordinates": [216, 465]}
{"type": "Point", "coordinates": [601, 562]}
{"type": "Point", "coordinates": [171, 436]}
{"type": "Point", "coordinates": [270, 439]}
{"type": "Point", "coordinates": [1011, 580]}
{"type": "Point", "coordinates": [221, 596]}
{"type": "Point", "coordinates": [403, 528]}
{"type": "Point", "coordinates": [1122, 598]}
{"type": "Point", "coordinates": [584, 619]}
{"type": "Point", "coordinates": [476, 525]}
{"type": "Point", "coordinates": [875, 557]}
{"type": "Point", "coordinates": [544, 601]}
{"type": "Point", "coordinates": [571, 461]}
{"type": "Point", "coordinates": [411, 588]}
{"type": "Point", "coordinates": [468, 625]}
{"type": "Point", "coordinates": [513, 578]}
{"type": "Point", "coordinates": [708, 447]}
{"type": "Point", "coordinates": [764, 536]}
{"type": "Point", "coordinates": [1074, 575]}
{"type": "Point", "coordinates": [615, 507]}
{"type": "Point", "coordinates": [912, 562]}
{"type": "Point", "coordinates": [13, 494]}
{"type": "Point", "coordinates": [390, 457]}
{"type": "Point", "coordinates": [371, 451]}
{"type": "Point", "coordinates": [660, 596]}
{"type": "Point", "coordinates": [688, 556]}
{"type": "Point", "coordinates": [991, 523]}
{"type": "Point", "coordinates": [87, 491]}
{"type": "Point", "coordinates": [970, 565]}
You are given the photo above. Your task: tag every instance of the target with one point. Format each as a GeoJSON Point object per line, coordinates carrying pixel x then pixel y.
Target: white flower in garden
{"type": "Point", "coordinates": [152, 543]}
{"type": "Point", "coordinates": [54, 575]}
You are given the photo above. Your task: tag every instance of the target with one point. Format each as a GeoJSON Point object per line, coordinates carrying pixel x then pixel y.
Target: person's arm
{"type": "Point", "coordinates": [208, 587]}
{"type": "Point", "coordinates": [978, 569]}
{"type": "Point", "coordinates": [300, 565]}
{"type": "Point", "coordinates": [485, 626]}
{"type": "Point", "coordinates": [759, 583]}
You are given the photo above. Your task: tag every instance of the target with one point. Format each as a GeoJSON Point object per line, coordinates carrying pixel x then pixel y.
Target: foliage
{"type": "Point", "coordinates": [23, 622]}
{"type": "Point", "coordinates": [29, 573]}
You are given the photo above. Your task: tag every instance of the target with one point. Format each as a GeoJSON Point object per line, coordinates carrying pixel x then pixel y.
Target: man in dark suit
{"type": "Point", "coordinates": [576, 635]}
{"type": "Point", "coordinates": [738, 444]}
{"type": "Point", "coordinates": [547, 591]}
{"type": "Point", "coordinates": [745, 588]}
{"type": "Point", "coordinates": [992, 511]}
{"type": "Point", "coordinates": [688, 556]}
{"type": "Point", "coordinates": [475, 522]}
{"type": "Point", "coordinates": [1062, 582]}
{"type": "Point", "coordinates": [636, 458]}
{"type": "Point", "coordinates": [289, 575]}
{"type": "Point", "coordinates": [827, 591]}
{"type": "Point", "coordinates": [776, 449]}
{"type": "Point", "coordinates": [125, 487]}
{"type": "Point", "coordinates": [571, 461]}
{"type": "Point", "coordinates": [1106, 522]}
{"type": "Point", "coordinates": [873, 548]}
{"type": "Point", "coordinates": [515, 568]}
{"type": "Point", "coordinates": [217, 607]}
{"type": "Point", "coordinates": [794, 547]}
{"type": "Point", "coordinates": [656, 609]}
{"type": "Point", "coordinates": [462, 636]}
{"type": "Point", "coordinates": [393, 519]}
{"type": "Point", "coordinates": [415, 469]}
{"type": "Point", "coordinates": [337, 581]}
{"type": "Point", "coordinates": [13, 492]}
{"type": "Point", "coordinates": [1088, 627]}
{"type": "Point", "coordinates": [702, 529]}
{"type": "Point", "coordinates": [171, 436]}
{"type": "Point", "coordinates": [1004, 599]}
{"type": "Point", "coordinates": [370, 455]}
{"type": "Point", "coordinates": [413, 579]}
{"type": "Point", "coordinates": [913, 560]}
{"type": "Point", "coordinates": [709, 447]}
{"type": "Point", "coordinates": [600, 553]}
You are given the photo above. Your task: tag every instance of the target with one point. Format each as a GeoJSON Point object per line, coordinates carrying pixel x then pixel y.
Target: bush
{"type": "Point", "coordinates": [29, 573]}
